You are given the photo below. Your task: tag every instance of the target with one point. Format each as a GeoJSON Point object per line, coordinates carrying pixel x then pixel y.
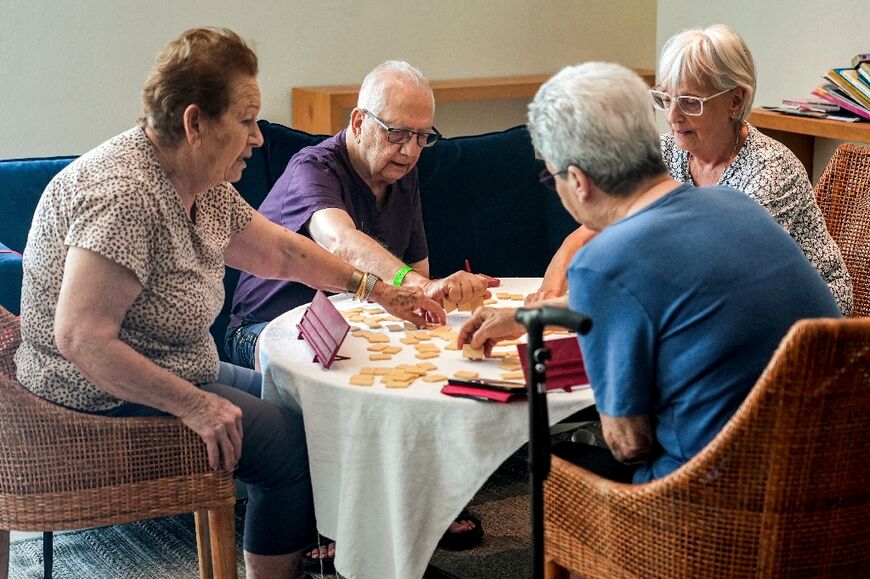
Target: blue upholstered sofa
{"type": "Point", "coordinates": [481, 202]}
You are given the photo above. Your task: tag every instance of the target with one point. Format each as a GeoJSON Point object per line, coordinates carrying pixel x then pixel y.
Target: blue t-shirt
{"type": "Point", "coordinates": [689, 298]}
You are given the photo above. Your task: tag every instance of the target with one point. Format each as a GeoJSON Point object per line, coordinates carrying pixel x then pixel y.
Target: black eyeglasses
{"type": "Point", "coordinates": [548, 179]}
{"type": "Point", "coordinates": [402, 136]}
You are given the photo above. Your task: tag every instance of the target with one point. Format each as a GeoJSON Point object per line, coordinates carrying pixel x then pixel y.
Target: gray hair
{"type": "Point", "coordinates": [598, 117]}
{"type": "Point", "coordinates": [715, 57]}
{"type": "Point", "coordinates": [372, 93]}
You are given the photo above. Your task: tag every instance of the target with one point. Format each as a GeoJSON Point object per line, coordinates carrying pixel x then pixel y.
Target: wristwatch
{"type": "Point", "coordinates": [370, 286]}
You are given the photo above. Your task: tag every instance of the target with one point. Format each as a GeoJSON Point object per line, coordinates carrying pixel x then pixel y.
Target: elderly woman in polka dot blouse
{"type": "Point", "coordinates": [706, 87]}
{"type": "Point", "coordinates": [123, 275]}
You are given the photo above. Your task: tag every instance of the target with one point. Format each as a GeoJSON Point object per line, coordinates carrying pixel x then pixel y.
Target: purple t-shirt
{"type": "Point", "coordinates": [321, 177]}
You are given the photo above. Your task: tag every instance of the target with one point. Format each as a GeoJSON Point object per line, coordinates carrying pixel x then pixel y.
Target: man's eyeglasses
{"type": "Point", "coordinates": [690, 105]}
{"type": "Point", "coordinates": [548, 179]}
{"type": "Point", "coordinates": [402, 136]}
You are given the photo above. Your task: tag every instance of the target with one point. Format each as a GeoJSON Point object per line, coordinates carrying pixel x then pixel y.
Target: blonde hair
{"type": "Point", "coordinates": [715, 57]}
{"type": "Point", "coordinates": [197, 68]}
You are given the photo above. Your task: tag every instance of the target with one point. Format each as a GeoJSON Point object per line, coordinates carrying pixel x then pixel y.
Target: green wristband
{"type": "Point", "coordinates": [400, 275]}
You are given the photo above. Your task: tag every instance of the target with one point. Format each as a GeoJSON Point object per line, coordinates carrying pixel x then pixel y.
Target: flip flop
{"type": "Point", "coordinates": [453, 541]}
{"type": "Point", "coordinates": [463, 539]}
{"type": "Point", "coordinates": [313, 565]}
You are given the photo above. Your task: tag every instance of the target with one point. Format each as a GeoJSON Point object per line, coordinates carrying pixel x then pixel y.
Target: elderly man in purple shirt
{"type": "Point", "coordinates": [357, 195]}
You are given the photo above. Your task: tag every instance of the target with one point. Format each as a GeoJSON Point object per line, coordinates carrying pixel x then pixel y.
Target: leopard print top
{"type": "Point", "coordinates": [768, 171]}
{"type": "Point", "coordinates": [117, 201]}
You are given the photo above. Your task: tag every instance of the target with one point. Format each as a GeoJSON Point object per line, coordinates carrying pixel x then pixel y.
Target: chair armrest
{"type": "Point", "coordinates": [602, 528]}
{"type": "Point", "coordinates": [592, 524]}
{"type": "Point", "coordinates": [91, 451]}
{"type": "Point", "coordinates": [575, 497]}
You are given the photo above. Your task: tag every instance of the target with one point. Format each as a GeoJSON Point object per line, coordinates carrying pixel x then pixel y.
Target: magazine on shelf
{"type": "Point", "coordinates": [810, 105]}
{"type": "Point", "coordinates": [844, 118]}
{"type": "Point", "coordinates": [833, 94]}
{"type": "Point", "coordinates": [789, 110]}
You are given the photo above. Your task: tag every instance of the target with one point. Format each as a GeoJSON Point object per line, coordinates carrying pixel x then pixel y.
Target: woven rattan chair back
{"type": "Point", "coordinates": [843, 194]}
{"type": "Point", "coordinates": [782, 491]}
{"type": "Point", "coordinates": [61, 469]}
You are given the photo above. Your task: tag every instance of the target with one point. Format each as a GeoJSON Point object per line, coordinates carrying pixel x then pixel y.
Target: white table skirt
{"type": "Point", "coordinates": [391, 468]}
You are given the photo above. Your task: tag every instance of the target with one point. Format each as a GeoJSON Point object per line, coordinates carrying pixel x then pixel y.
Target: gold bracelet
{"type": "Point", "coordinates": [355, 281]}
{"type": "Point", "coordinates": [360, 291]}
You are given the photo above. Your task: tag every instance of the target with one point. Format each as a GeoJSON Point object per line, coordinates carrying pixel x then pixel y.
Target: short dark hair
{"type": "Point", "coordinates": [197, 68]}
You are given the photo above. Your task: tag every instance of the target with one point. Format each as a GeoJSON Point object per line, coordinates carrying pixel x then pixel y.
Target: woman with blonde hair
{"type": "Point", "coordinates": [706, 86]}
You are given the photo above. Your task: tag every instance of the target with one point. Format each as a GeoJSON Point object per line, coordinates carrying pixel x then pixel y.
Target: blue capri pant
{"type": "Point", "coordinates": [240, 343]}
{"type": "Point", "coordinates": [279, 518]}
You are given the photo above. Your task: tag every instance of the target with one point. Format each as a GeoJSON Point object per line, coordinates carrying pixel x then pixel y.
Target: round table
{"type": "Point", "coordinates": [391, 468]}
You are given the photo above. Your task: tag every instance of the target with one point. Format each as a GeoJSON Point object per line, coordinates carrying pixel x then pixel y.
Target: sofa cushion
{"type": "Point", "coordinates": [265, 166]}
{"type": "Point", "coordinates": [482, 201]}
{"type": "Point", "coordinates": [268, 162]}
{"type": "Point", "coordinates": [22, 182]}
{"type": "Point", "coordinates": [11, 274]}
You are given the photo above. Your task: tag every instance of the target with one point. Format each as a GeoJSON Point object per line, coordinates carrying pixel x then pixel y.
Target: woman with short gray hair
{"type": "Point", "coordinates": [615, 146]}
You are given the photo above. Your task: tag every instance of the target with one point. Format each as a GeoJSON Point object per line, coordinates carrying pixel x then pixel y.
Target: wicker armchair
{"type": "Point", "coordinates": [782, 491]}
{"type": "Point", "coordinates": [61, 469]}
{"type": "Point", "coordinates": [843, 194]}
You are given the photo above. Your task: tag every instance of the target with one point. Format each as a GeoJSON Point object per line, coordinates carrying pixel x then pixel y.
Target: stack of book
{"type": "Point", "coordinates": [845, 95]}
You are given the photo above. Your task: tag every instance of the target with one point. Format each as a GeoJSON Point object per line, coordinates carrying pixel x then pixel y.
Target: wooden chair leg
{"type": "Point", "coordinates": [203, 545]}
{"type": "Point", "coordinates": [4, 554]}
{"type": "Point", "coordinates": [222, 524]}
{"type": "Point", "coordinates": [553, 570]}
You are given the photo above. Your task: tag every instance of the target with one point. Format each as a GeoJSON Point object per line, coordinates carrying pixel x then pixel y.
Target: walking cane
{"type": "Point", "coordinates": [534, 319]}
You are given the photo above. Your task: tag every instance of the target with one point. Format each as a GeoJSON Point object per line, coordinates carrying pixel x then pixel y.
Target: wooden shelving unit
{"type": "Point", "coordinates": [800, 133]}
{"type": "Point", "coordinates": [323, 109]}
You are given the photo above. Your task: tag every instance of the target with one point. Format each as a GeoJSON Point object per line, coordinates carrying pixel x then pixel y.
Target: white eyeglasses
{"type": "Point", "coordinates": [690, 105]}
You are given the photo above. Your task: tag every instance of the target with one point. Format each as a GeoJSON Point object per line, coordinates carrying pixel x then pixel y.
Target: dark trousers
{"type": "Point", "coordinates": [279, 517]}
{"type": "Point", "coordinates": [595, 459]}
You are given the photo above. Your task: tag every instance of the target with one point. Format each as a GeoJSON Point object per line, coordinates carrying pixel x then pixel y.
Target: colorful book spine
{"type": "Point", "coordinates": [864, 72]}
{"type": "Point", "coordinates": [847, 79]}
{"type": "Point", "coordinates": [845, 104]}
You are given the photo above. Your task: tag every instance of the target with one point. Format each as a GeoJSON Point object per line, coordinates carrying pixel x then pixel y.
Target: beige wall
{"type": "Point", "coordinates": [71, 72]}
{"type": "Point", "coordinates": [794, 42]}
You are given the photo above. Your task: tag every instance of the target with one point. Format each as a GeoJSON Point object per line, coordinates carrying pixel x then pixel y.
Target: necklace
{"type": "Point", "coordinates": [728, 161]}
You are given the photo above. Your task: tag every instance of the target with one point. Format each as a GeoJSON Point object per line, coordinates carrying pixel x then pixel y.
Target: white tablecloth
{"type": "Point", "coordinates": [391, 468]}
